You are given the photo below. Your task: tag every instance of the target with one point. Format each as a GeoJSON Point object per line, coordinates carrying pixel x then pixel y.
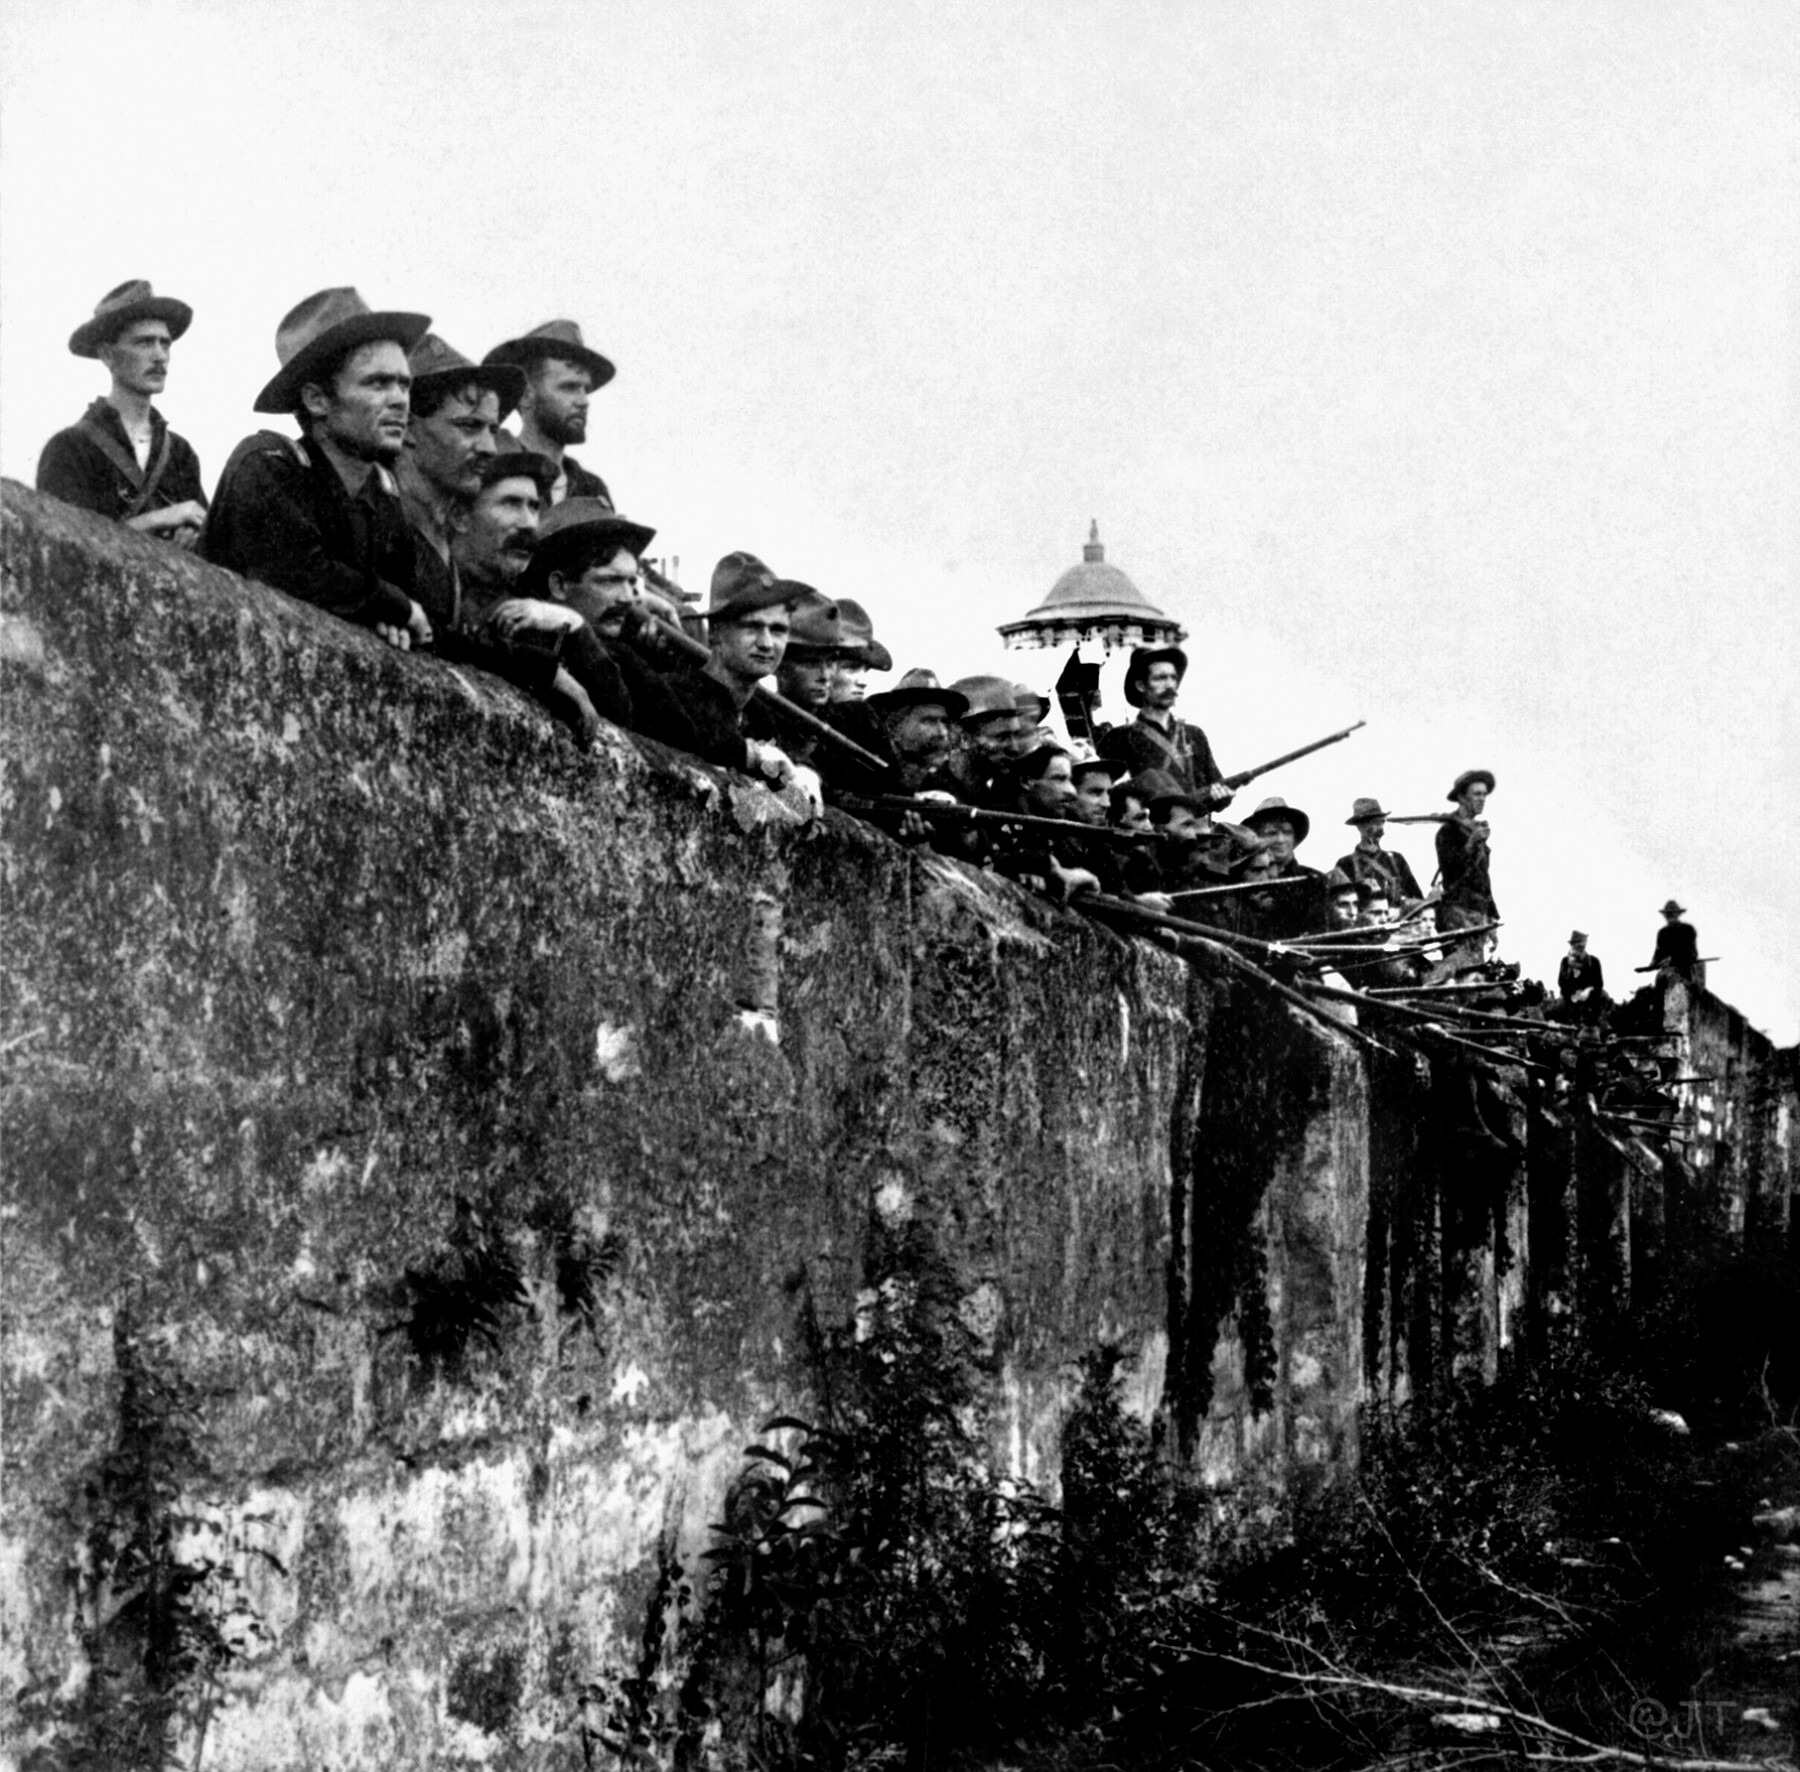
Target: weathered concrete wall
{"type": "Point", "coordinates": [338, 986]}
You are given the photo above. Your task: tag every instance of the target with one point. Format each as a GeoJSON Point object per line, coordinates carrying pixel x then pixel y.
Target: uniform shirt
{"type": "Point", "coordinates": [77, 470]}
{"type": "Point", "coordinates": [1381, 867]}
{"type": "Point", "coordinates": [1579, 972]}
{"type": "Point", "coordinates": [1181, 751]}
{"type": "Point", "coordinates": [283, 517]}
{"type": "Point", "coordinates": [579, 482]}
{"type": "Point", "coordinates": [1462, 855]}
{"type": "Point", "coordinates": [1677, 945]}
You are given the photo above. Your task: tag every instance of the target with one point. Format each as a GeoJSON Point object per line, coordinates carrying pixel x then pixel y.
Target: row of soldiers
{"type": "Point", "coordinates": [407, 506]}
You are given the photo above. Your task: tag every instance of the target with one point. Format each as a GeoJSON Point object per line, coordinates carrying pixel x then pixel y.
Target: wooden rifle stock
{"type": "Point", "coordinates": [1306, 750]}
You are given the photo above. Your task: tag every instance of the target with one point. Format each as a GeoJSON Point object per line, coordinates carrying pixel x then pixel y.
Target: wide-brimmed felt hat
{"type": "Point", "coordinates": [987, 696]}
{"type": "Point", "coordinates": [816, 630]}
{"type": "Point", "coordinates": [1338, 881]}
{"type": "Point", "coordinates": [520, 464]}
{"type": "Point", "coordinates": [1028, 701]}
{"type": "Point", "coordinates": [859, 635]}
{"type": "Point", "coordinates": [1148, 784]}
{"type": "Point", "coordinates": [1275, 807]}
{"type": "Point", "coordinates": [117, 308]}
{"type": "Point", "coordinates": [919, 688]}
{"type": "Point", "coordinates": [555, 338]}
{"type": "Point", "coordinates": [1484, 776]}
{"type": "Point", "coordinates": [578, 529]}
{"type": "Point", "coordinates": [1363, 809]}
{"type": "Point", "coordinates": [437, 367]}
{"type": "Point", "coordinates": [742, 584]}
{"type": "Point", "coordinates": [1576, 935]}
{"type": "Point", "coordinates": [1672, 909]}
{"type": "Point", "coordinates": [324, 327]}
{"type": "Point", "coordinates": [1176, 795]}
{"type": "Point", "coordinates": [1085, 762]}
{"type": "Point", "coordinates": [1142, 658]}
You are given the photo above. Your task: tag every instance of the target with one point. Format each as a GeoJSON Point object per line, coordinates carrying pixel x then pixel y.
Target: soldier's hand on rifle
{"type": "Point", "coordinates": [805, 792]}
{"type": "Point", "coordinates": [1220, 794]}
{"type": "Point", "coordinates": [1066, 882]}
{"type": "Point", "coordinates": [416, 632]}
{"type": "Point", "coordinates": [1155, 901]}
{"type": "Point", "coordinates": [173, 522]}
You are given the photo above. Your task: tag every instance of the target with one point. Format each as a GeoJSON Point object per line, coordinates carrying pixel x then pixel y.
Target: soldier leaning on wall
{"type": "Point", "coordinates": [120, 459]}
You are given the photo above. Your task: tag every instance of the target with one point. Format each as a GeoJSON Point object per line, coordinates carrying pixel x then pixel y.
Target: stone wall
{"type": "Point", "coordinates": [394, 1172]}
{"type": "Point", "coordinates": [431, 1153]}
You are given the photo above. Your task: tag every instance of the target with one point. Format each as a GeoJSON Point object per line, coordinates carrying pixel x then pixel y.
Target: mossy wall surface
{"type": "Point", "coordinates": [379, 1104]}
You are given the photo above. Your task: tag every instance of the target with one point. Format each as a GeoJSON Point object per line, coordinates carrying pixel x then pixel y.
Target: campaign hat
{"type": "Point", "coordinates": [321, 329]}
{"type": "Point", "coordinates": [1085, 761]}
{"type": "Point", "coordinates": [1276, 807]}
{"type": "Point", "coordinates": [575, 530]}
{"type": "Point", "coordinates": [1484, 776]}
{"type": "Point", "coordinates": [1672, 909]}
{"type": "Point", "coordinates": [1176, 795]}
{"type": "Point", "coordinates": [117, 308]}
{"type": "Point", "coordinates": [1576, 935]}
{"type": "Point", "coordinates": [1151, 784]}
{"type": "Point", "coordinates": [516, 464]}
{"type": "Point", "coordinates": [435, 364]}
{"type": "Point", "coordinates": [859, 635]}
{"type": "Point", "coordinates": [1028, 701]}
{"type": "Point", "coordinates": [1142, 658]}
{"type": "Point", "coordinates": [919, 689]}
{"type": "Point", "coordinates": [555, 338]}
{"type": "Point", "coordinates": [987, 696]}
{"type": "Point", "coordinates": [817, 630]}
{"type": "Point", "coordinates": [1338, 881]}
{"type": "Point", "coordinates": [1363, 809]}
{"type": "Point", "coordinates": [742, 584]}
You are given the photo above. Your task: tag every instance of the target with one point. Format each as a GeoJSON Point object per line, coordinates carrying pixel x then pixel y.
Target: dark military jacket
{"type": "Point", "coordinates": [1462, 856]}
{"type": "Point", "coordinates": [1677, 945]}
{"type": "Point", "coordinates": [1579, 973]}
{"type": "Point", "coordinates": [1381, 868]}
{"type": "Point", "coordinates": [283, 517]}
{"type": "Point", "coordinates": [1182, 751]}
{"type": "Point", "coordinates": [76, 468]}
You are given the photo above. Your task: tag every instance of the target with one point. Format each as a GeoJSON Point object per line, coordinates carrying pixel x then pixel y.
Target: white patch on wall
{"type": "Point", "coordinates": [615, 1056]}
{"type": "Point", "coordinates": [629, 1385]}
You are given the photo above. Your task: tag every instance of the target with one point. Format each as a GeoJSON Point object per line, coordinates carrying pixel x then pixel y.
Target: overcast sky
{"type": "Point", "coordinates": [1435, 363]}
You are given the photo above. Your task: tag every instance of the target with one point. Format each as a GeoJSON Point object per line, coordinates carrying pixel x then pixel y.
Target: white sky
{"type": "Point", "coordinates": [1437, 363]}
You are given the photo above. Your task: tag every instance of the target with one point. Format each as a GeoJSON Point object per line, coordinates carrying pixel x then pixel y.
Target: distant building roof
{"type": "Point", "coordinates": [1093, 599]}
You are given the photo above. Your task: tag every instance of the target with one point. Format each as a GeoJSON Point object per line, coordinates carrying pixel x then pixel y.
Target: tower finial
{"type": "Point", "coordinates": [1093, 551]}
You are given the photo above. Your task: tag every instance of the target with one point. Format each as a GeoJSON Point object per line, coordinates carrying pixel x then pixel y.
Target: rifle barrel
{"type": "Point", "coordinates": [946, 813]}
{"type": "Point", "coordinates": [1306, 750]}
{"type": "Point", "coordinates": [1420, 817]}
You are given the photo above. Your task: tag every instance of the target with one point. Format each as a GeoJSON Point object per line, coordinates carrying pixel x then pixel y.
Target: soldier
{"type": "Point", "coordinates": [456, 407]}
{"type": "Point", "coordinates": [535, 644]}
{"type": "Point", "coordinates": [1094, 777]}
{"type": "Point", "coordinates": [1156, 739]}
{"type": "Point", "coordinates": [560, 374]}
{"type": "Point", "coordinates": [1343, 908]}
{"type": "Point", "coordinates": [862, 653]}
{"type": "Point", "coordinates": [992, 735]}
{"type": "Point", "coordinates": [1039, 784]}
{"type": "Point", "coordinates": [1466, 897]}
{"type": "Point", "coordinates": [1292, 910]}
{"type": "Point", "coordinates": [815, 643]}
{"type": "Point", "coordinates": [321, 518]}
{"type": "Point", "coordinates": [917, 717]}
{"type": "Point", "coordinates": [586, 563]}
{"type": "Point", "coordinates": [1580, 982]}
{"type": "Point", "coordinates": [748, 619]}
{"type": "Point", "coordinates": [120, 458]}
{"type": "Point", "coordinates": [1369, 861]}
{"type": "Point", "coordinates": [1677, 947]}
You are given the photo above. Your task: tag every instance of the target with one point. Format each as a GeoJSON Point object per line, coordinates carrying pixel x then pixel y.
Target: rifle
{"type": "Point", "coordinates": [1306, 750]}
{"type": "Point", "coordinates": [1658, 965]}
{"type": "Point", "coordinates": [1422, 818]}
{"type": "Point", "coordinates": [810, 723]}
{"type": "Point", "coordinates": [1241, 886]}
{"type": "Point", "coordinates": [985, 815]}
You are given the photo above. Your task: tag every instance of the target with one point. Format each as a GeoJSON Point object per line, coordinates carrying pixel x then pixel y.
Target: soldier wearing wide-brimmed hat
{"type": "Point", "coordinates": [1094, 777]}
{"type": "Point", "coordinates": [1580, 979]}
{"type": "Point", "coordinates": [918, 730]}
{"type": "Point", "coordinates": [453, 428]}
{"type": "Point", "coordinates": [862, 653]}
{"type": "Point", "coordinates": [1156, 739]}
{"type": "Point", "coordinates": [1369, 861]}
{"type": "Point", "coordinates": [1677, 945]}
{"type": "Point", "coordinates": [1466, 891]}
{"type": "Point", "coordinates": [1282, 829]}
{"type": "Point", "coordinates": [321, 518]}
{"type": "Point", "coordinates": [992, 734]}
{"type": "Point", "coordinates": [560, 373]}
{"type": "Point", "coordinates": [120, 458]}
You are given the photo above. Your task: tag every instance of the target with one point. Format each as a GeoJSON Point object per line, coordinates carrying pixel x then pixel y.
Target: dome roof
{"type": "Point", "coordinates": [1093, 591]}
